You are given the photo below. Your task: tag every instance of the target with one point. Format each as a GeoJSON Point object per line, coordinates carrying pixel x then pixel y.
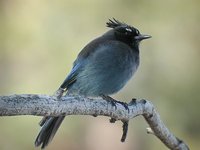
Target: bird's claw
{"type": "Point", "coordinates": [110, 100]}
{"type": "Point", "coordinates": [113, 102]}
{"type": "Point", "coordinates": [125, 105]}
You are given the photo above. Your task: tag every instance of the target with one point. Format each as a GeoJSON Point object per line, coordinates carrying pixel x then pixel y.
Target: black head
{"type": "Point", "coordinates": [126, 33]}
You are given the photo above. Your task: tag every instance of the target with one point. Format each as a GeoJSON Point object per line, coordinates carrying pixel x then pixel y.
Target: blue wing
{"type": "Point", "coordinates": [71, 78]}
{"type": "Point", "coordinates": [80, 62]}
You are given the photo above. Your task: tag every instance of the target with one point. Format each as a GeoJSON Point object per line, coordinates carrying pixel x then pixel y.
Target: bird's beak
{"type": "Point", "coordinates": [142, 37]}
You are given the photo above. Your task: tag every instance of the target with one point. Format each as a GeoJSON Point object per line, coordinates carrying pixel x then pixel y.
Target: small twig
{"type": "Point", "coordinates": [125, 131]}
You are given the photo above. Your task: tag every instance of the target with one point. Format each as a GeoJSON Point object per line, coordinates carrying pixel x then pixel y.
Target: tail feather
{"type": "Point", "coordinates": [49, 127]}
{"type": "Point", "coordinates": [44, 119]}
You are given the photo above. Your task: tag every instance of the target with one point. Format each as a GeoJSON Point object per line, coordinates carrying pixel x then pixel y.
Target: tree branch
{"type": "Point", "coordinates": [44, 105]}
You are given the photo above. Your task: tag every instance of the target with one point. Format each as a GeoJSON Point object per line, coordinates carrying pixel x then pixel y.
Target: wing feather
{"type": "Point", "coordinates": [71, 78]}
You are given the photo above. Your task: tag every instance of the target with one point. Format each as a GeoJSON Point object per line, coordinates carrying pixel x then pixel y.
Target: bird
{"type": "Point", "coordinates": [102, 68]}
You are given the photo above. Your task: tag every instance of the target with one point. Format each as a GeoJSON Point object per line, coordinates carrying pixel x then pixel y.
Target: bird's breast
{"type": "Point", "coordinates": [106, 72]}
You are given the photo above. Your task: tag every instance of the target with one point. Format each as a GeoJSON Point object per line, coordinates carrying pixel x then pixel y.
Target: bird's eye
{"type": "Point", "coordinates": [137, 32]}
{"type": "Point", "coordinates": [123, 30]}
{"type": "Point", "coordinates": [128, 29]}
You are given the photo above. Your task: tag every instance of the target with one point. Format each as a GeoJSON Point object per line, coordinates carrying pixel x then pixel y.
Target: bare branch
{"type": "Point", "coordinates": [44, 105]}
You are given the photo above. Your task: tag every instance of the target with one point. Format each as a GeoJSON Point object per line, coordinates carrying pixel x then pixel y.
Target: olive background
{"type": "Point", "coordinates": [39, 40]}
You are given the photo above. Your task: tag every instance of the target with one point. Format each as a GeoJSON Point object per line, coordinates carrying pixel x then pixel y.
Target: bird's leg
{"type": "Point", "coordinates": [110, 100]}
{"type": "Point", "coordinates": [125, 130]}
{"type": "Point", "coordinates": [124, 104]}
{"type": "Point", "coordinates": [113, 102]}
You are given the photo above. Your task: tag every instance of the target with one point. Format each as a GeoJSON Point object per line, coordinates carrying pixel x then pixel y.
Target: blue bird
{"type": "Point", "coordinates": [102, 68]}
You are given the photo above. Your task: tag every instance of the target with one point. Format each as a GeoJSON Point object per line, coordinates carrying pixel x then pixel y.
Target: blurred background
{"type": "Point", "coordinates": [39, 40]}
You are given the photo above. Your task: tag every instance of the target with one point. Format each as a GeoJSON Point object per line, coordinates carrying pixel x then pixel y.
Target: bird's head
{"type": "Point", "coordinates": [126, 33]}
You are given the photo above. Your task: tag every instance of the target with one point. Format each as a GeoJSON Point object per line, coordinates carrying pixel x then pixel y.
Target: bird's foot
{"type": "Point", "coordinates": [124, 104]}
{"type": "Point", "coordinates": [110, 100]}
{"type": "Point", "coordinates": [113, 102]}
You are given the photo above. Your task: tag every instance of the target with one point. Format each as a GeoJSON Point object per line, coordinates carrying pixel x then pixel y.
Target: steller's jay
{"type": "Point", "coordinates": [102, 68]}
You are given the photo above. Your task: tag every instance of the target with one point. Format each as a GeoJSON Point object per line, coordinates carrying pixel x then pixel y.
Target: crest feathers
{"type": "Point", "coordinates": [113, 23]}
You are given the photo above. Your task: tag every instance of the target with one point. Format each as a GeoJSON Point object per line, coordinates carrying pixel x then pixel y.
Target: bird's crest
{"type": "Point", "coordinates": [115, 23]}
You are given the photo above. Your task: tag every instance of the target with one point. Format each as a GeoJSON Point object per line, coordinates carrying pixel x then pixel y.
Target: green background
{"type": "Point", "coordinates": [39, 40]}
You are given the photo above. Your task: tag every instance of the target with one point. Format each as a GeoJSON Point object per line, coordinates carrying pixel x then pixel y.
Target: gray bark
{"type": "Point", "coordinates": [44, 105]}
